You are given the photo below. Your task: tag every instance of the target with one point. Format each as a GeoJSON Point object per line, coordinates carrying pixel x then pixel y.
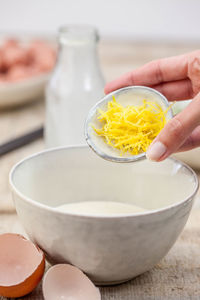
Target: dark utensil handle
{"type": "Point", "coordinates": [21, 141]}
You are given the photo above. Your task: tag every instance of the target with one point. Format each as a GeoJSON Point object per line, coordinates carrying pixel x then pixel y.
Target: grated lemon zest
{"type": "Point", "coordinates": [132, 128]}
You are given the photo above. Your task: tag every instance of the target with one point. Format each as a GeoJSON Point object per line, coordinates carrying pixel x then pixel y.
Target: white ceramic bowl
{"type": "Point", "coordinates": [110, 249]}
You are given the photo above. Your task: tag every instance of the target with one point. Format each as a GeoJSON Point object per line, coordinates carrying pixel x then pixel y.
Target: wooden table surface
{"type": "Point", "coordinates": [178, 274]}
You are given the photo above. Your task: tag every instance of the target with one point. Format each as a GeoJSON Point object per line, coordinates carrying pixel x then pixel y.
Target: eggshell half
{"type": "Point", "coordinates": [67, 282]}
{"type": "Point", "coordinates": [22, 265]}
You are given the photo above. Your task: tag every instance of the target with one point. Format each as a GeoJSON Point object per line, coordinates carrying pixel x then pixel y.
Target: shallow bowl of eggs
{"type": "Point", "coordinates": [25, 67]}
{"type": "Point", "coordinates": [112, 221]}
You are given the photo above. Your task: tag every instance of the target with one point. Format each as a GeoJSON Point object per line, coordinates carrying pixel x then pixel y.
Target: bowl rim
{"type": "Point", "coordinates": [96, 216]}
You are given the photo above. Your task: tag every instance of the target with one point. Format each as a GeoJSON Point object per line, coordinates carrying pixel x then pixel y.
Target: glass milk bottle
{"type": "Point", "coordinates": [75, 86]}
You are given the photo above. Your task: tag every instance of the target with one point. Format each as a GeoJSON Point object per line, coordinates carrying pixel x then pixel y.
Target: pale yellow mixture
{"type": "Point", "coordinates": [100, 208]}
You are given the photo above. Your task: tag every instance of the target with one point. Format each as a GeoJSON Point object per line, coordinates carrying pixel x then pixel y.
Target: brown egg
{"type": "Point", "coordinates": [17, 72]}
{"type": "Point", "coordinates": [11, 42]}
{"type": "Point", "coordinates": [3, 78]}
{"type": "Point", "coordinates": [1, 61]}
{"type": "Point", "coordinates": [13, 55]}
{"type": "Point", "coordinates": [42, 55]}
{"type": "Point", "coordinates": [64, 281]}
{"type": "Point", "coordinates": [21, 265]}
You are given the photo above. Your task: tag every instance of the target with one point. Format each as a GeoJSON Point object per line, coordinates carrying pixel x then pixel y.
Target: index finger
{"type": "Point", "coordinates": [176, 132]}
{"type": "Point", "coordinates": [153, 73]}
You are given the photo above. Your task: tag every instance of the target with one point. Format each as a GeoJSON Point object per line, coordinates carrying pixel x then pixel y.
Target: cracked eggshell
{"type": "Point", "coordinates": [64, 281]}
{"type": "Point", "coordinates": [22, 265]}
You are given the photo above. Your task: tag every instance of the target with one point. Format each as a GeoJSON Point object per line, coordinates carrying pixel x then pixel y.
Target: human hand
{"type": "Point", "coordinates": [178, 78]}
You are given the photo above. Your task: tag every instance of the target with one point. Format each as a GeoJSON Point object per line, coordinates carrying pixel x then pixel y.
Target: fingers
{"type": "Point", "coordinates": [176, 131]}
{"type": "Point", "coordinates": [194, 71]}
{"type": "Point", "coordinates": [192, 141]}
{"type": "Point", "coordinates": [122, 81]}
{"type": "Point", "coordinates": [177, 90]}
{"type": "Point", "coordinates": [153, 73]}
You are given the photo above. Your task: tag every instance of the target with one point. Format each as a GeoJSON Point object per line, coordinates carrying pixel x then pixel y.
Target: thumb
{"type": "Point", "coordinates": [175, 132]}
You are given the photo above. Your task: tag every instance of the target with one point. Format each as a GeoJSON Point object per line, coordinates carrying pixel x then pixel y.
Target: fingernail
{"type": "Point", "coordinates": [156, 151]}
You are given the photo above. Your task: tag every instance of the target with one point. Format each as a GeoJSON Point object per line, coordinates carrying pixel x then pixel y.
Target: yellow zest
{"type": "Point", "coordinates": [133, 128]}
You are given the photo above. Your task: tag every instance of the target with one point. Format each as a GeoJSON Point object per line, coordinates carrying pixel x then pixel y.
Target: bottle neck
{"type": "Point", "coordinates": [74, 53]}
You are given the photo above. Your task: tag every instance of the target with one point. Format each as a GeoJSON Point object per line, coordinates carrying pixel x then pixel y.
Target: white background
{"type": "Point", "coordinates": [169, 20]}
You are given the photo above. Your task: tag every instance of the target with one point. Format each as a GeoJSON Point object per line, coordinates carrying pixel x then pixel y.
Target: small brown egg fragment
{"type": "Point", "coordinates": [21, 265]}
{"type": "Point", "coordinates": [67, 282]}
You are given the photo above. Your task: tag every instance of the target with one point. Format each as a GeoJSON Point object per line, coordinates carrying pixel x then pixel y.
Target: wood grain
{"type": "Point", "coordinates": [178, 274]}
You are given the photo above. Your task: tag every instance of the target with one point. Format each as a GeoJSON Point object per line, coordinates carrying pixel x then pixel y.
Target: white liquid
{"type": "Point", "coordinates": [100, 208]}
